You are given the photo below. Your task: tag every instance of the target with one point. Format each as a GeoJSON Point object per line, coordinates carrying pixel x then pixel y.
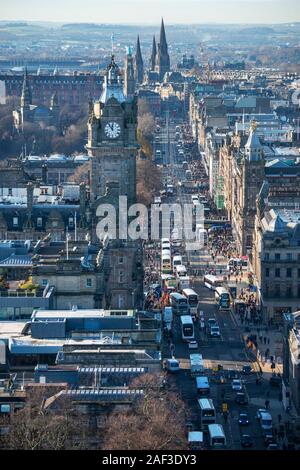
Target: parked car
{"type": "Point", "coordinates": [246, 440]}
{"type": "Point", "coordinates": [193, 345]}
{"type": "Point", "coordinates": [243, 419]}
{"type": "Point", "coordinates": [236, 385]}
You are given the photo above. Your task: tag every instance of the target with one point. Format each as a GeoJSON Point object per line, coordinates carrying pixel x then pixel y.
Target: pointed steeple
{"type": "Point", "coordinates": [153, 54]}
{"type": "Point", "coordinates": [139, 64]}
{"type": "Point", "coordinates": [129, 81]}
{"type": "Point", "coordinates": [26, 98]}
{"type": "Point", "coordinates": [162, 39]}
{"type": "Point", "coordinates": [163, 58]}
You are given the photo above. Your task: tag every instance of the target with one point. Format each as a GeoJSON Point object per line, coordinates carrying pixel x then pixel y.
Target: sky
{"type": "Point", "coordinates": [151, 11]}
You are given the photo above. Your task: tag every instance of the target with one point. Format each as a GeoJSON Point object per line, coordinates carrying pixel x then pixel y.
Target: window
{"type": "Point", "coordinates": [267, 256]}
{"type": "Point", "coordinates": [54, 223]}
{"type": "Point", "coordinates": [277, 272]}
{"type": "Point", "coordinates": [10, 191]}
{"type": "Point", "coordinates": [289, 291]}
{"type": "Point", "coordinates": [289, 256]}
{"type": "Point", "coordinates": [289, 272]}
{"type": "Point", "coordinates": [267, 272]}
{"type": "Point", "coordinates": [298, 256]}
{"type": "Point", "coordinates": [39, 222]}
{"type": "Point", "coordinates": [121, 259]}
{"type": "Point", "coordinates": [71, 222]}
{"type": "Point", "coordinates": [298, 295]}
{"type": "Point", "coordinates": [277, 290]}
{"type": "Point", "coordinates": [89, 282]}
{"type": "Point", "coordinates": [277, 256]}
{"type": "Point", "coordinates": [15, 221]}
{"type": "Point", "coordinates": [121, 277]}
{"type": "Point", "coordinates": [44, 282]}
{"type": "Point", "coordinates": [298, 272]}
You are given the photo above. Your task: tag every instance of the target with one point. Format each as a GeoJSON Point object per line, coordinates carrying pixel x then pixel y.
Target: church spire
{"type": "Point", "coordinates": [163, 58]}
{"type": "Point", "coordinates": [153, 54]}
{"type": "Point", "coordinates": [139, 64]}
{"type": "Point", "coordinates": [163, 40]}
{"type": "Point", "coordinates": [26, 98]}
{"type": "Point", "coordinates": [129, 81]}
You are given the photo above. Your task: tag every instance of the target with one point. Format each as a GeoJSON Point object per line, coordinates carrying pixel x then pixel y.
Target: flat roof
{"type": "Point", "coordinates": [81, 313]}
{"type": "Point", "coordinates": [11, 328]}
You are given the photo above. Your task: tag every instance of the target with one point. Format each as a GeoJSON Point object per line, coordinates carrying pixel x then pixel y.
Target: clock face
{"type": "Point", "coordinates": [112, 130]}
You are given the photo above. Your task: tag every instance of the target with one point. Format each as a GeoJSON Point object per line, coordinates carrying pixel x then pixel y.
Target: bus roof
{"type": "Point", "coordinates": [216, 430]}
{"type": "Point", "coordinates": [221, 290]}
{"type": "Point", "coordinates": [176, 295]}
{"type": "Point", "coordinates": [187, 319]}
{"type": "Point", "coordinates": [206, 404]}
{"type": "Point", "coordinates": [188, 292]}
{"type": "Point", "coordinates": [211, 277]}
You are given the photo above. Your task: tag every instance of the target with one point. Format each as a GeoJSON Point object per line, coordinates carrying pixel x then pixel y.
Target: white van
{"type": "Point", "coordinates": [265, 421]}
{"type": "Point", "coordinates": [181, 271]}
{"type": "Point", "coordinates": [177, 261]}
{"type": "Point", "coordinates": [173, 365]}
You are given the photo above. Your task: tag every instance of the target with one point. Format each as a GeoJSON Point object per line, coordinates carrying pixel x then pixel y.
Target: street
{"type": "Point", "coordinates": [228, 352]}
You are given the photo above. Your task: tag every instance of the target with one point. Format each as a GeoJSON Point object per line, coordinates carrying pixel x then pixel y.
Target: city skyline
{"type": "Point", "coordinates": [174, 12]}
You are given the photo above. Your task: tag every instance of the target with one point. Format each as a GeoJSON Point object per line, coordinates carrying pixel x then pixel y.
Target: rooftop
{"type": "Point", "coordinates": [88, 313]}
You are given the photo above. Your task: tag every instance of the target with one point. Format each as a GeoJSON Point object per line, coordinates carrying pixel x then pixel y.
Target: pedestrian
{"type": "Point", "coordinates": [267, 403]}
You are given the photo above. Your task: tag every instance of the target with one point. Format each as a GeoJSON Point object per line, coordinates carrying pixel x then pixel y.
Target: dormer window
{"type": "Point", "coordinates": [71, 222]}
{"type": "Point", "coordinates": [15, 221]}
{"type": "Point", "coordinates": [39, 222]}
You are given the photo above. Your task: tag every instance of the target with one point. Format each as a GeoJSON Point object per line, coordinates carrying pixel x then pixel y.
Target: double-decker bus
{"type": "Point", "coordinates": [193, 301]}
{"type": "Point", "coordinates": [187, 328]}
{"type": "Point", "coordinates": [179, 304]}
{"type": "Point", "coordinates": [222, 298]}
{"type": "Point", "coordinates": [207, 412]}
{"type": "Point", "coordinates": [217, 439]}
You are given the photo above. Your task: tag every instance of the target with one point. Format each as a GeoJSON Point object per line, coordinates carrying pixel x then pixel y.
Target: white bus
{"type": "Point", "coordinates": [179, 304]}
{"type": "Point", "coordinates": [212, 282]}
{"type": "Point", "coordinates": [222, 298]}
{"type": "Point", "coordinates": [187, 328]}
{"type": "Point", "coordinates": [207, 412]}
{"type": "Point", "coordinates": [193, 300]}
{"type": "Point", "coordinates": [217, 439]}
{"type": "Point", "coordinates": [166, 264]}
{"type": "Point", "coordinates": [197, 364]}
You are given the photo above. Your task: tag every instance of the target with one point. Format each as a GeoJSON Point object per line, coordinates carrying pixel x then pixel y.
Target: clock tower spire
{"type": "Point", "coordinates": [112, 142]}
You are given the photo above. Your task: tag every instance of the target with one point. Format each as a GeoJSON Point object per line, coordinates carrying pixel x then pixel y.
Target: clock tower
{"type": "Point", "coordinates": [112, 141]}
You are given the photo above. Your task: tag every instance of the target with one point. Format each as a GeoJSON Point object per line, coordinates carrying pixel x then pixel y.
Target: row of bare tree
{"type": "Point", "coordinates": [155, 422]}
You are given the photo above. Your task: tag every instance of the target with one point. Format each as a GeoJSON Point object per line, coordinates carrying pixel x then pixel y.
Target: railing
{"type": "Point", "coordinates": [20, 293]}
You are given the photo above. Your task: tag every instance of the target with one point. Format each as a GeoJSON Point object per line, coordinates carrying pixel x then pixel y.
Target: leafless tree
{"type": "Point", "coordinates": [155, 422]}
{"type": "Point", "coordinates": [45, 423]}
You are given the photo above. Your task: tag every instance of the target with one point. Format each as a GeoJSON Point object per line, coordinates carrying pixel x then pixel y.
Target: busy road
{"type": "Point", "coordinates": [226, 357]}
